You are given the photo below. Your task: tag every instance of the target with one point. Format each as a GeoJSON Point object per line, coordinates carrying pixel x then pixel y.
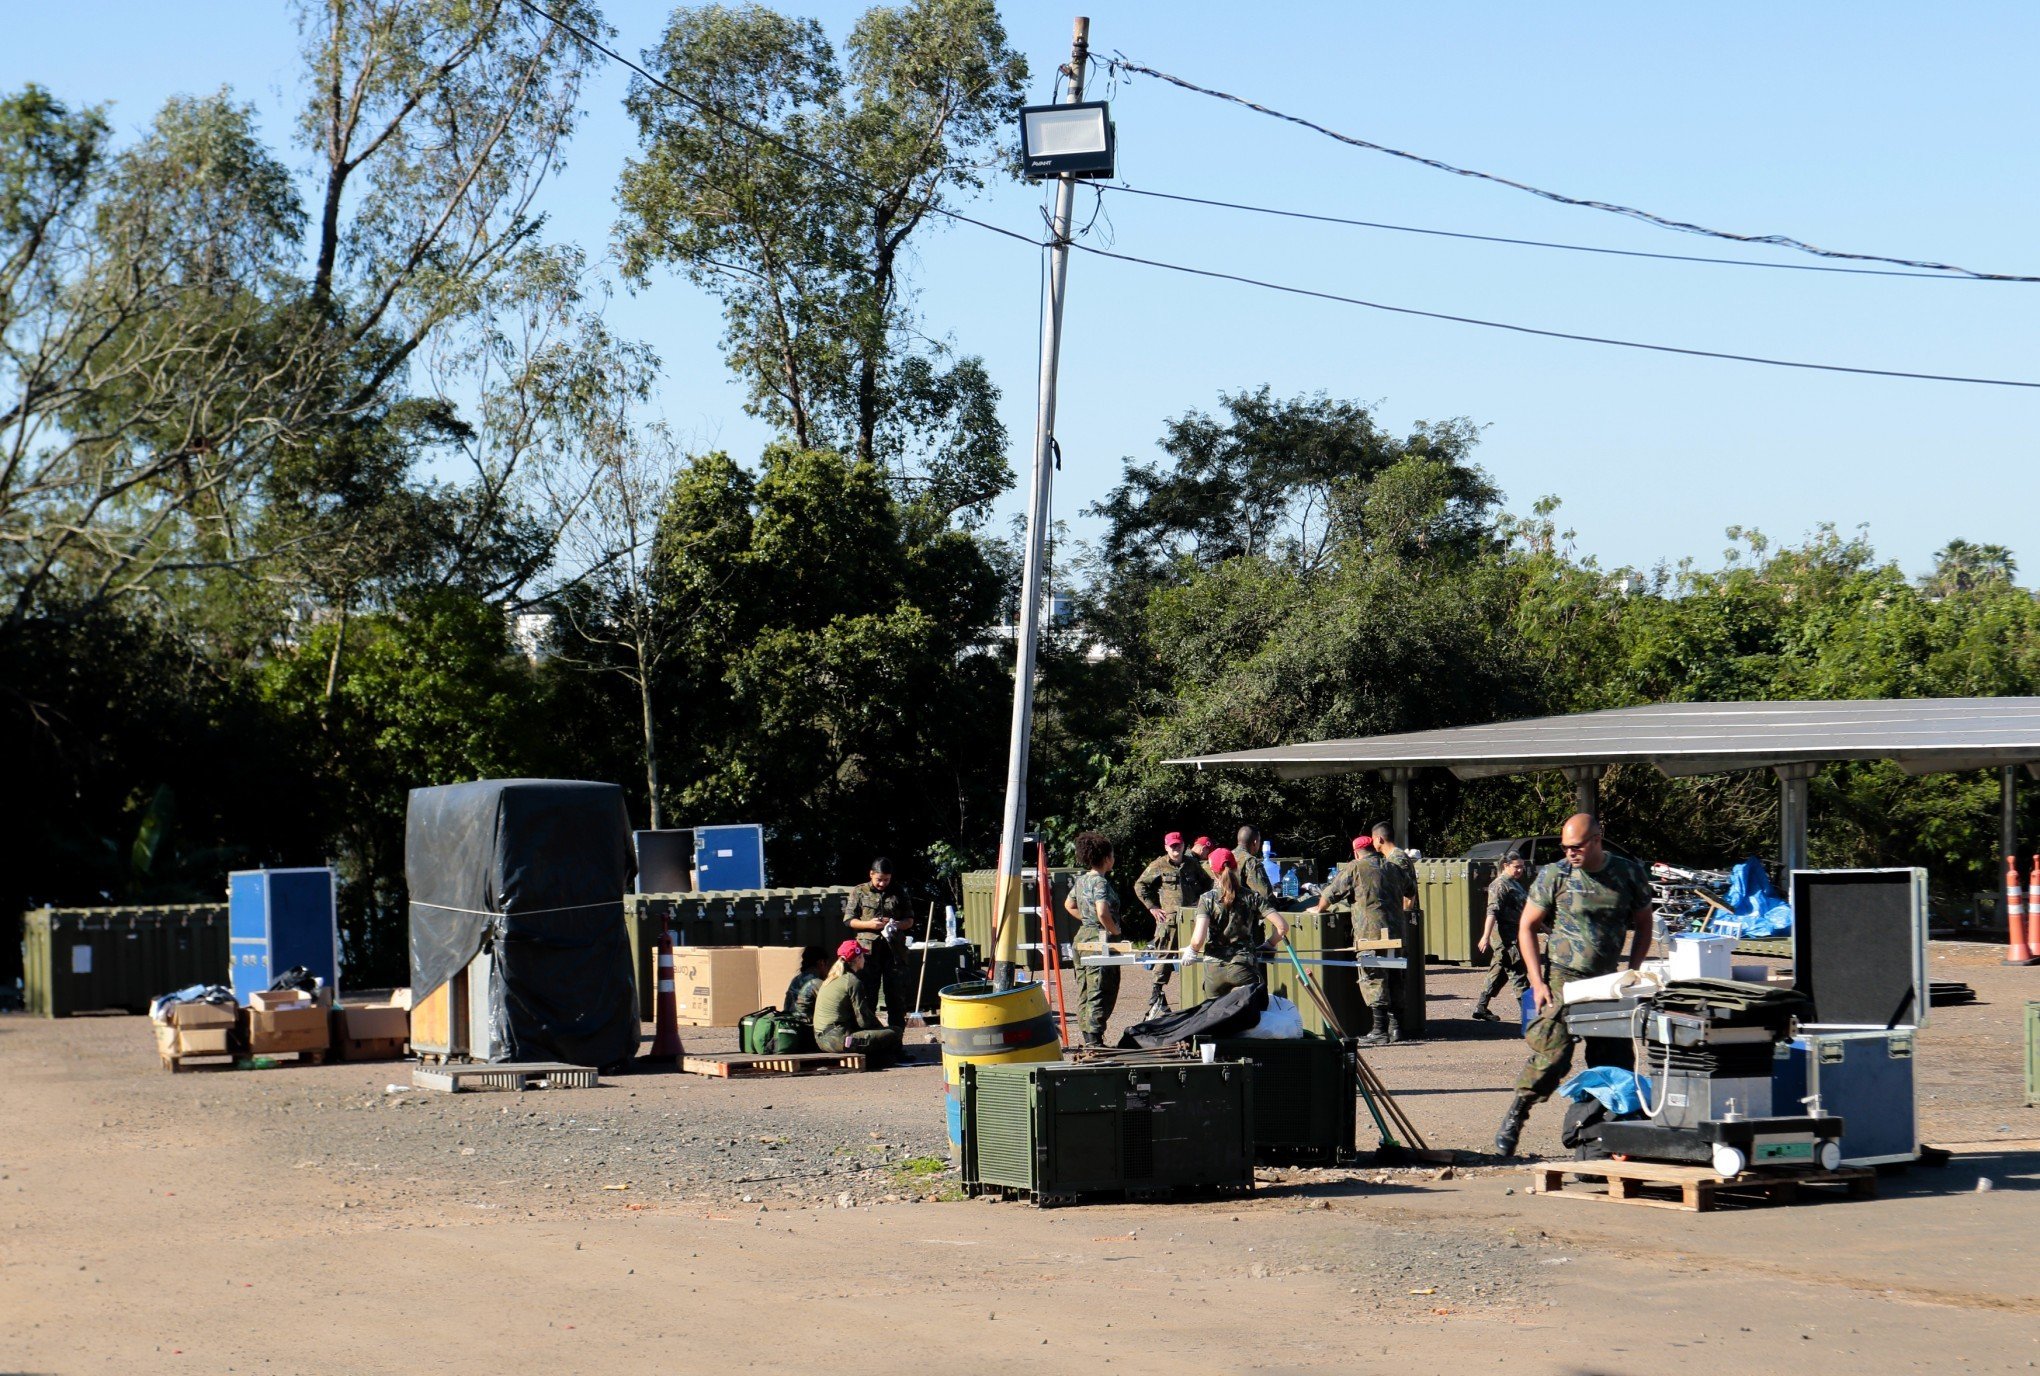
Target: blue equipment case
{"type": "Point", "coordinates": [1863, 1078]}
{"type": "Point", "coordinates": [731, 857]}
{"type": "Point", "coordinates": [279, 919]}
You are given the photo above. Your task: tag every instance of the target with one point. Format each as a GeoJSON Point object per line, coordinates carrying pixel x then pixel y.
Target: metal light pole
{"type": "Point", "coordinates": [1008, 926]}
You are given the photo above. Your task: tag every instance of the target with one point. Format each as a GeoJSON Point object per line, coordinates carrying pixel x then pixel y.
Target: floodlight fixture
{"type": "Point", "coordinates": [1070, 140]}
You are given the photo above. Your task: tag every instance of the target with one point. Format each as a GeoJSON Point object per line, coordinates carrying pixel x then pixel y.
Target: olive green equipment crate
{"type": "Point", "coordinates": [1453, 897]}
{"type": "Point", "coordinates": [1055, 1133]}
{"type": "Point", "coordinates": [89, 960]}
{"type": "Point", "coordinates": [2032, 1054]}
{"type": "Point", "coordinates": [1306, 1097]}
{"type": "Point", "coordinates": [980, 894]}
{"type": "Point", "coordinates": [729, 917]}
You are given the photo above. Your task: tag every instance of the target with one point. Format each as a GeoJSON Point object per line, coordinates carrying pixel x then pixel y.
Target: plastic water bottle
{"type": "Point", "coordinates": [1291, 887]}
{"type": "Point", "coordinates": [949, 920]}
{"type": "Point", "coordinates": [1268, 865]}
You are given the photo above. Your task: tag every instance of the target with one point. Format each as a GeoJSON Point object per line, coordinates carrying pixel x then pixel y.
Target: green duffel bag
{"type": "Point", "coordinates": [768, 1032]}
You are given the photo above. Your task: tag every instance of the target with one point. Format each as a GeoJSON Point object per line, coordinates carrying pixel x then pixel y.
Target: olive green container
{"type": "Point", "coordinates": [89, 960]}
{"type": "Point", "coordinates": [1453, 896]}
{"type": "Point", "coordinates": [2032, 1054]}
{"type": "Point", "coordinates": [980, 893]}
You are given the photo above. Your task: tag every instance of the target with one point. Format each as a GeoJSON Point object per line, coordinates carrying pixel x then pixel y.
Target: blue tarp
{"type": "Point", "coordinates": [1620, 1091]}
{"type": "Point", "coordinates": [1758, 911]}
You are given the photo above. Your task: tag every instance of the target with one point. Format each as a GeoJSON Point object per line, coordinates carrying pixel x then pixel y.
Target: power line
{"type": "Point", "coordinates": [1120, 61]}
{"type": "Point", "coordinates": [1540, 243]}
{"type": "Point", "coordinates": [1544, 333]}
{"type": "Point", "coordinates": [717, 112]}
{"type": "Point", "coordinates": [823, 164]}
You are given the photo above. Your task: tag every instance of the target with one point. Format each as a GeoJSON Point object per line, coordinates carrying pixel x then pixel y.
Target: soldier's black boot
{"type": "Point", "coordinates": [1511, 1130]}
{"type": "Point", "coordinates": [1379, 1032]}
{"type": "Point", "coordinates": [1158, 1006]}
{"type": "Point", "coordinates": [1394, 1022]}
{"type": "Point", "coordinates": [1481, 1014]}
{"type": "Point", "coordinates": [1093, 1039]}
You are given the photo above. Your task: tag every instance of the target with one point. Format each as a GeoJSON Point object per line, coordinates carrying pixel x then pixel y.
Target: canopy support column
{"type": "Point", "coordinates": [1792, 781]}
{"type": "Point", "coordinates": [1586, 782]}
{"type": "Point", "coordinates": [1399, 779]}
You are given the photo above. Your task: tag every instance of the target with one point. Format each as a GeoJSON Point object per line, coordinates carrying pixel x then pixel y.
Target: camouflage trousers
{"type": "Point", "coordinates": [880, 1045]}
{"type": "Point", "coordinates": [1550, 1041]}
{"type": "Point", "coordinates": [1381, 988]}
{"type": "Point", "coordinates": [1097, 985]}
{"type": "Point", "coordinates": [1505, 966]}
{"type": "Point", "coordinates": [1165, 940]}
{"type": "Point", "coordinates": [1234, 974]}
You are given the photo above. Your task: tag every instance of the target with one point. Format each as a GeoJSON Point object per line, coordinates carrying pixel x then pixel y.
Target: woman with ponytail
{"type": "Point", "coordinates": [1229, 921]}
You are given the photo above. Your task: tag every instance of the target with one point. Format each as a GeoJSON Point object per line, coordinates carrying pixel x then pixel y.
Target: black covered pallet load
{"type": "Point", "coordinates": [534, 872]}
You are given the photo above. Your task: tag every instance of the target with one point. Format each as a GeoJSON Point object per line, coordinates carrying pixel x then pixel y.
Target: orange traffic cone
{"type": "Point", "coordinates": [2015, 915]}
{"type": "Point", "coordinates": [2033, 912]}
{"type": "Point", "coordinates": [666, 1045]}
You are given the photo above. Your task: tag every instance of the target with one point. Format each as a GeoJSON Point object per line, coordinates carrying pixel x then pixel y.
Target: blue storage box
{"type": "Point", "coordinates": [277, 920]}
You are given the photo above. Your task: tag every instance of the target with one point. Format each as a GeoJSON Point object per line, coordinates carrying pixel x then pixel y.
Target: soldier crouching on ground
{"type": "Point", "coordinates": [841, 1022]}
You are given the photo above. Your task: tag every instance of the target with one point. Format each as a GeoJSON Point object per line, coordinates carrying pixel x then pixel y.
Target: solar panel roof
{"type": "Point", "coordinates": [1920, 735]}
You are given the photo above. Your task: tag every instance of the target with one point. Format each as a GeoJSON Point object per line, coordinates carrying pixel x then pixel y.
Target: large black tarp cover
{"type": "Point", "coordinates": [534, 870]}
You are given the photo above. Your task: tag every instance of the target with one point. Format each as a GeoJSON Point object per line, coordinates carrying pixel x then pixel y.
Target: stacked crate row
{"type": "Point", "coordinates": [980, 896]}
{"type": "Point", "coordinates": [730, 917]}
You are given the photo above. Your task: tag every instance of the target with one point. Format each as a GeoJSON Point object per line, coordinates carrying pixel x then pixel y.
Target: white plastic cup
{"type": "Point", "coordinates": [1210, 1053]}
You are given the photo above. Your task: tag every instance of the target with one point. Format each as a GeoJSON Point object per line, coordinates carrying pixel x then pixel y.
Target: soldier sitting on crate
{"type": "Point", "coordinates": [841, 1022]}
{"type": "Point", "coordinates": [799, 1007]}
{"type": "Point", "coordinates": [1168, 885]}
{"type": "Point", "coordinates": [878, 912]}
{"type": "Point", "coordinates": [1228, 930]}
{"type": "Point", "coordinates": [1370, 886]}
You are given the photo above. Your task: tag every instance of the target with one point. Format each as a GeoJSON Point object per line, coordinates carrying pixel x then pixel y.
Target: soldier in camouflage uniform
{"type": "Point", "coordinates": [841, 1024]}
{"type": "Point", "coordinates": [1395, 858]}
{"type": "Point", "coordinates": [1168, 885]}
{"type": "Point", "coordinates": [1505, 897]}
{"type": "Point", "coordinates": [1247, 859]}
{"type": "Point", "coordinates": [799, 1005]}
{"type": "Point", "coordinates": [1370, 887]}
{"type": "Point", "coordinates": [1228, 929]}
{"type": "Point", "coordinates": [880, 916]}
{"type": "Point", "coordinates": [1095, 904]}
{"type": "Point", "coordinates": [1596, 903]}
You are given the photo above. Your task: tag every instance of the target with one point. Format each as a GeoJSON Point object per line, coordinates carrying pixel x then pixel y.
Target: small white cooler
{"type": "Point", "coordinates": [1696, 956]}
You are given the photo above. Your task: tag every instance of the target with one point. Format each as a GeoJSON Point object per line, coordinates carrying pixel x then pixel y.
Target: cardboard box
{"type": "Point", "coordinates": [371, 1032]}
{"type": "Point", "coordinates": [777, 965]}
{"type": "Point", "coordinates": [192, 1017]}
{"type": "Point", "coordinates": [282, 1031]}
{"type": "Point", "coordinates": [714, 986]}
{"type": "Point", "coordinates": [272, 999]}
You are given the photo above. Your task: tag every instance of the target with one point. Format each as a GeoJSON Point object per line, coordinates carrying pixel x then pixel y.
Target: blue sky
{"type": "Point", "coordinates": [1870, 127]}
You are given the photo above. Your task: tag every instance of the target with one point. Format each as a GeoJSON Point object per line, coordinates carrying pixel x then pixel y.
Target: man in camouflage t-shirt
{"type": "Point", "coordinates": [1597, 904]}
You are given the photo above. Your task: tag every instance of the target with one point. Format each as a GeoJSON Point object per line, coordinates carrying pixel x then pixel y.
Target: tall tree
{"type": "Point", "coordinates": [790, 182]}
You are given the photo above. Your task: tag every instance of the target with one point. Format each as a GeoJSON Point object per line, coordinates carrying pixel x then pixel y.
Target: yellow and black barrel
{"type": "Point", "coordinates": [985, 1026]}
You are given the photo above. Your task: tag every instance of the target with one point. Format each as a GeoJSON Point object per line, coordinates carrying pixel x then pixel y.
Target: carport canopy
{"type": "Point", "coordinates": [1793, 739]}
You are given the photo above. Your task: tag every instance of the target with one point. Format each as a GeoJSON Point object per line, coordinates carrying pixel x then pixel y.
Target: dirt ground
{"type": "Point", "coordinates": [306, 1219]}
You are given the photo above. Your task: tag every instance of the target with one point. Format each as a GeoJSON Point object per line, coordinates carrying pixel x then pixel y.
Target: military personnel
{"type": "Point", "coordinates": [1228, 929]}
{"type": "Point", "coordinates": [1094, 903]}
{"type": "Point", "coordinates": [878, 912]}
{"type": "Point", "coordinates": [1370, 886]}
{"type": "Point", "coordinates": [1505, 897]}
{"type": "Point", "coordinates": [1405, 866]}
{"type": "Point", "coordinates": [1593, 903]}
{"type": "Point", "coordinates": [1200, 851]}
{"type": "Point", "coordinates": [1167, 886]}
{"type": "Point", "coordinates": [841, 1022]}
{"type": "Point", "coordinates": [799, 1005]}
{"type": "Point", "coordinates": [1247, 860]}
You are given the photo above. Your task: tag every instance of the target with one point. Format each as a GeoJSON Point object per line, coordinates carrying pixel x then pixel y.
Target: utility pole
{"type": "Point", "coordinates": [1006, 948]}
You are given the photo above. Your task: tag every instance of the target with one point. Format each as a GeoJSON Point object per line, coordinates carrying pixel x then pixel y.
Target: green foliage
{"type": "Point", "coordinates": [734, 189]}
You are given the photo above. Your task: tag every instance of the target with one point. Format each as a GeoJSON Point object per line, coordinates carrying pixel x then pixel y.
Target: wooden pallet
{"type": "Point", "coordinates": [452, 1079]}
{"type": "Point", "coordinates": [1698, 1189]}
{"type": "Point", "coordinates": [729, 1066]}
